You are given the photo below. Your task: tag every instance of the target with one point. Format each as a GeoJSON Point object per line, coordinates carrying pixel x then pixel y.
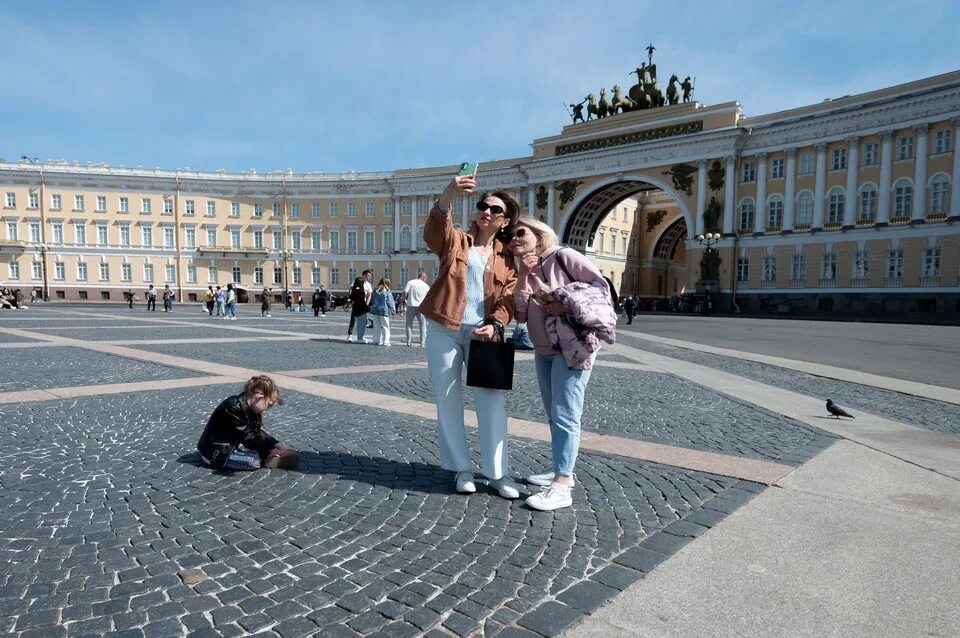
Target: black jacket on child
{"type": "Point", "coordinates": [232, 424]}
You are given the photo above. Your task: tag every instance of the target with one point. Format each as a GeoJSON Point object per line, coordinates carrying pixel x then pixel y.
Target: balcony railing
{"type": "Point", "coordinates": [828, 282]}
{"type": "Point", "coordinates": [899, 221]}
{"type": "Point", "coordinates": [930, 280]}
{"type": "Point", "coordinates": [859, 282]}
{"type": "Point", "coordinates": [801, 228]}
{"type": "Point", "coordinates": [892, 281]}
{"type": "Point", "coordinates": [832, 225]}
{"type": "Point", "coordinates": [768, 283]}
{"type": "Point", "coordinates": [798, 283]}
{"type": "Point", "coordinates": [232, 249]}
{"type": "Point", "coordinates": [936, 217]}
{"type": "Point", "coordinates": [865, 223]}
{"type": "Point", "coordinates": [13, 243]}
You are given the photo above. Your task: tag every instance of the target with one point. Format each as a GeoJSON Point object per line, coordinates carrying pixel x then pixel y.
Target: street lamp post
{"type": "Point", "coordinates": [707, 240]}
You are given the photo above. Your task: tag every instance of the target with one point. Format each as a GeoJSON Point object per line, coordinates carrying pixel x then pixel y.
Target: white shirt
{"type": "Point", "coordinates": [415, 291]}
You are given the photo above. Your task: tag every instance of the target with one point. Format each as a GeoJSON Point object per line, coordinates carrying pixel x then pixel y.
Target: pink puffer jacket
{"type": "Point", "coordinates": [590, 319]}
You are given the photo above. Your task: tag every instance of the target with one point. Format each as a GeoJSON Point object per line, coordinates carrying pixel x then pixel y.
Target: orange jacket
{"type": "Point", "coordinates": [447, 298]}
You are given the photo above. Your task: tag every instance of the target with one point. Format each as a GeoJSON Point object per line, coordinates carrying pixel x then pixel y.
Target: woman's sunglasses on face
{"type": "Point", "coordinates": [494, 209]}
{"type": "Point", "coordinates": [520, 233]}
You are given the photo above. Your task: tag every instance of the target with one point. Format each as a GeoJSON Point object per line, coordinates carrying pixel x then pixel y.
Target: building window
{"type": "Point", "coordinates": [34, 201]}
{"type": "Point", "coordinates": [769, 268]}
{"type": "Point", "coordinates": [257, 209]}
{"type": "Point", "coordinates": [297, 276]}
{"type": "Point", "coordinates": [295, 240]}
{"type": "Point", "coordinates": [190, 237]}
{"type": "Point", "coordinates": [190, 208]}
{"type": "Point", "coordinates": [905, 148]}
{"type": "Point", "coordinates": [258, 239]}
{"type": "Point", "coordinates": [235, 238]}
{"type": "Point", "coordinates": [276, 209]}
{"type": "Point", "coordinates": [277, 239]}
{"type": "Point", "coordinates": [805, 208]}
{"type": "Point", "coordinates": [211, 209]}
{"type": "Point", "coordinates": [776, 172]}
{"type": "Point", "coordinates": [277, 275]}
{"type": "Point", "coordinates": [11, 201]}
{"type": "Point", "coordinates": [870, 154]}
{"type": "Point", "coordinates": [59, 271]}
{"type": "Point", "coordinates": [894, 264]}
{"type": "Point", "coordinates": [368, 209]}
{"type": "Point", "coordinates": [168, 237]}
{"type": "Point", "coordinates": [295, 210]}
{"type": "Point", "coordinates": [35, 232]}
{"type": "Point", "coordinates": [405, 207]}
{"type": "Point", "coordinates": [212, 274]}
{"type": "Point", "coordinates": [101, 234]}
{"type": "Point", "coordinates": [868, 203]}
{"type": "Point", "coordinates": [334, 241]}
{"type": "Point", "coordinates": [931, 262]}
{"type": "Point", "coordinates": [78, 202]}
{"type": "Point", "coordinates": [14, 270]}
{"type": "Point", "coordinates": [423, 206]}
{"type": "Point", "coordinates": [146, 205]}
{"type": "Point", "coordinates": [36, 270]}
{"type": "Point", "coordinates": [258, 275]}
{"type": "Point", "coordinates": [148, 272]}
{"type": "Point", "coordinates": [369, 243]}
{"type": "Point", "coordinates": [747, 210]}
{"type": "Point", "coordinates": [315, 209]}
{"type": "Point", "coordinates": [316, 238]}
{"type": "Point", "coordinates": [405, 238]}
{"type": "Point", "coordinates": [167, 206]}
{"type": "Point", "coordinates": [211, 237]}
{"type": "Point", "coordinates": [57, 228]}
{"type": "Point", "coordinates": [351, 274]}
{"type": "Point", "coordinates": [334, 276]}
{"type": "Point", "coordinates": [82, 270]}
{"type": "Point", "coordinates": [191, 274]}
{"type": "Point", "coordinates": [12, 231]}
{"type": "Point", "coordinates": [55, 202]}
{"type": "Point", "coordinates": [775, 211]}
{"type": "Point", "coordinates": [835, 200]}
{"type": "Point", "coordinates": [124, 205]}
{"type": "Point", "coordinates": [941, 141]}
{"type": "Point", "coordinates": [861, 265]}
{"type": "Point", "coordinates": [806, 163]}
{"type": "Point", "coordinates": [386, 273]}
{"type": "Point", "coordinates": [334, 209]}
{"type": "Point", "coordinates": [147, 236]}
{"type": "Point", "coordinates": [940, 194]}
{"type": "Point", "coordinates": [235, 209]}
{"type": "Point", "coordinates": [315, 276]}
{"type": "Point", "coordinates": [80, 234]}
{"type": "Point", "coordinates": [351, 209]}
{"type": "Point", "coordinates": [749, 172]}
{"type": "Point", "coordinates": [124, 231]}
{"type": "Point", "coordinates": [798, 268]}
{"type": "Point", "coordinates": [902, 198]}
{"type": "Point", "coordinates": [839, 161]}
{"type": "Point", "coordinates": [169, 273]}
{"type": "Point", "coordinates": [235, 273]}
{"type": "Point", "coordinates": [388, 208]}
{"type": "Point", "coordinates": [351, 241]}
{"type": "Point", "coordinates": [404, 276]}
{"type": "Point", "coordinates": [828, 266]}
{"type": "Point", "coordinates": [105, 271]}
{"type": "Point", "coordinates": [743, 269]}
{"type": "Point", "coordinates": [388, 240]}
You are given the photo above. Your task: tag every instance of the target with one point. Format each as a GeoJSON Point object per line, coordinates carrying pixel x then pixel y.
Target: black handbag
{"type": "Point", "coordinates": [490, 363]}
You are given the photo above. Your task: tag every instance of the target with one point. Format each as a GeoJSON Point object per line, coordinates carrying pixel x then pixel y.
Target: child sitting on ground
{"type": "Point", "coordinates": [234, 438]}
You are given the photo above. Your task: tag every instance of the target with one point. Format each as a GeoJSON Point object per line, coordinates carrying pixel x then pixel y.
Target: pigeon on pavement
{"type": "Point", "coordinates": [836, 410]}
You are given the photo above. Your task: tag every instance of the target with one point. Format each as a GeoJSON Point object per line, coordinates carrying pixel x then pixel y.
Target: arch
{"type": "Point", "coordinates": [578, 226]}
{"type": "Point", "coordinates": [774, 211]}
{"type": "Point", "coordinates": [406, 240]}
{"type": "Point", "coordinates": [746, 213]}
{"type": "Point", "coordinates": [665, 247]}
{"type": "Point", "coordinates": [867, 202]}
{"type": "Point", "coordinates": [939, 187]}
{"type": "Point", "coordinates": [939, 177]}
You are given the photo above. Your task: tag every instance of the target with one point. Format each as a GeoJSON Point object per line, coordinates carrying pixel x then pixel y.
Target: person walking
{"type": "Point", "coordinates": [231, 303]}
{"type": "Point", "coordinates": [167, 298]}
{"type": "Point", "coordinates": [471, 298]}
{"type": "Point", "coordinates": [630, 308]}
{"type": "Point", "coordinates": [265, 298]}
{"type": "Point", "coordinates": [413, 294]}
{"type": "Point", "coordinates": [361, 293]}
{"type": "Point", "coordinates": [324, 301]}
{"type": "Point", "coordinates": [219, 298]}
{"type": "Point", "coordinates": [208, 299]}
{"type": "Point", "coordinates": [382, 308]}
{"type": "Point", "coordinates": [129, 295]}
{"type": "Point", "coordinates": [315, 302]}
{"type": "Point", "coordinates": [566, 303]}
{"type": "Point", "coordinates": [152, 298]}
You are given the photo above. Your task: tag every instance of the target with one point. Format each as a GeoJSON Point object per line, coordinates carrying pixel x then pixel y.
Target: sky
{"type": "Point", "coordinates": [327, 86]}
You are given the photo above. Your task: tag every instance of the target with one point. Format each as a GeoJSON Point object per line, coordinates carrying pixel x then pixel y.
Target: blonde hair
{"type": "Point", "coordinates": [546, 238]}
{"type": "Point", "coordinates": [383, 284]}
{"type": "Point", "coordinates": [262, 384]}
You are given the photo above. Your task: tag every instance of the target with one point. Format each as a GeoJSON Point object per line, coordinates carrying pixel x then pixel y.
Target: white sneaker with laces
{"type": "Point", "coordinates": [351, 338]}
{"type": "Point", "coordinates": [546, 479]}
{"type": "Point", "coordinates": [465, 484]}
{"type": "Point", "coordinates": [505, 487]}
{"type": "Point", "coordinates": [555, 497]}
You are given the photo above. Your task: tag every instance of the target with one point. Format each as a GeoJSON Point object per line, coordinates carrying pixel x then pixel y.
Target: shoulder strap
{"type": "Point", "coordinates": [563, 265]}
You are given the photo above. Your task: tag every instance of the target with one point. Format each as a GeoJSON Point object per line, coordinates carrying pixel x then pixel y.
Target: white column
{"type": "Point", "coordinates": [464, 203]}
{"type": "Point", "coordinates": [920, 175]}
{"type": "Point", "coordinates": [789, 190]}
{"type": "Point", "coordinates": [955, 178]}
{"type": "Point", "coordinates": [414, 240]}
{"type": "Point", "coordinates": [701, 196]}
{"type": "Point", "coordinates": [396, 224]}
{"type": "Point", "coordinates": [532, 200]}
{"type": "Point", "coordinates": [886, 172]}
{"type": "Point", "coordinates": [820, 186]}
{"type": "Point", "coordinates": [730, 185]}
{"type": "Point", "coordinates": [850, 199]}
{"type": "Point", "coordinates": [551, 199]}
{"type": "Point", "coordinates": [760, 216]}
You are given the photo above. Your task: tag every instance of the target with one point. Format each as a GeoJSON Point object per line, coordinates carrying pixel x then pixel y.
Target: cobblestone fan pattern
{"type": "Point", "coordinates": [923, 413]}
{"type": "Point", "coordinates": [293, 355]}
{"type": "Point", "coordinates": [664, 409]}
{"type": "Point", "coordinates": [108, 527]}
{"type": "Point", "coordinates": [59, 367]}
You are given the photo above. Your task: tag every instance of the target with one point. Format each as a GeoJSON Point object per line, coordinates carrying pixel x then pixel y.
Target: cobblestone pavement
{"type": "Point", "coordinates": [923, 413]}
{"type": "Point", "coordinates": [60, 367]}
{"type": "Point", "coordinates": [143, 331]}
{"type": "Point", "coordinates": [110, 527]}
{"type": "Point", "coordinates": [662, 408]}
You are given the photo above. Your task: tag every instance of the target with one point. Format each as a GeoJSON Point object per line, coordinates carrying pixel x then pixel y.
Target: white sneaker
{"type": "Point", "coordinates": [465, 484]}
{"type": "Point", "coordinates": [543, 480]}
{"type": "Point", "coordinates": [268, 315]}
{"type": "Point", "coordinates": [409, 344]}
{"type": "Point", "coordinates": [351, 338]}
{"type": "Point", "coordinates": [367, 341]}
{"type": "Point", "coordinates": [505, 487]}
{"type": "Point", "coordinates": [233, 318]}
{"type": "Point", "coordinates": [553, 498]}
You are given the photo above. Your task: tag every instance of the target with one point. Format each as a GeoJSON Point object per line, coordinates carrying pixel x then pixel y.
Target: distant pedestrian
{"type": "Point", "coordinates": [208, 299]}
{"type": "Point", "coordinates": [265, 299]}
{"type": "Point", "coordinates": [315, 302]}
{"type": "Point", "coordinates": [630, 308]}
{"type": "Point", "coordinates": [382, 308]}
{"type": "Point", "coordinates": [167, 299]}
{"type": "Point", "coordinates": [324, 301]}
{"type": "Point", "coordinates": [129, 295]}
{"type": "Point", "coordinates": [231, 303]}
{"type": "Point", "coordinates": [152, 298]}
{"type": "Point", "coordinates": [219, 298]}
{"type": "Point", "coordinates": [361, 293]}
{"type": "Point", "coordinates": [413, 294]}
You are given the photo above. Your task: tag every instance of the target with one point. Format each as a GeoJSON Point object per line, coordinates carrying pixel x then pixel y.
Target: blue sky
{"type": "Point", "coordinates": [325, 86]}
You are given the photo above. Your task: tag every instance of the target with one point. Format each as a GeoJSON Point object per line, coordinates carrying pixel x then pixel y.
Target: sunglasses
{"type": "Point", "coordinates": [494, 209]}
{"type": "Point", "coordinates": [520, 232]}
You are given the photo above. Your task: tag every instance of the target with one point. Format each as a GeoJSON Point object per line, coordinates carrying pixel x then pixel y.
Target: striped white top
{"type": "Point", "coordinates": [473, 314]}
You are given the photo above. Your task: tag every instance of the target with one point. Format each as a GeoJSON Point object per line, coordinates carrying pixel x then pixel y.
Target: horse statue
{"type": "Point", "coordinates": [641, 94]}
{"type": "Point", "coordinates": [619, 103]}
{"type": "Point", "coordinates": [592, 107]}
{"type": "Point", "coordinates": [673, 93]}
{"type": "Point", "coordinates": [603, 107]}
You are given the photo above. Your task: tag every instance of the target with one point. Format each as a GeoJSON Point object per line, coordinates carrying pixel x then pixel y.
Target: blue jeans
{"type": "Point", "coordinates": [361, 326]}
{"type": "Point", "coordinates": [231, 309]}
{"type": "Point", "coordinates": [562, 392]}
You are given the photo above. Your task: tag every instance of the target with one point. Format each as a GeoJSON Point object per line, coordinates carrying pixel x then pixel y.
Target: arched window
{"type": "Point", "coordinates": [902, 197]}
{"type": "Point", "coordinates": [835, 204]}
{"type": "Point", "coordinates": [775, 211]}
{"type": "Point", "coordinates": [405, 238]}
{"type": "Point", "coordinates": [805, 208]}
{"type": "Point", "coordinates": [940, 194]}
{"type": "Point", "coordinates": [747, 210]}
{"type": "Point", "coordinates": [868, 203]}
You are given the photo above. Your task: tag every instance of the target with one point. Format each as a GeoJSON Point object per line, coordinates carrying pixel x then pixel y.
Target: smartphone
{"type": "Point", "coordinates": [468, 168]}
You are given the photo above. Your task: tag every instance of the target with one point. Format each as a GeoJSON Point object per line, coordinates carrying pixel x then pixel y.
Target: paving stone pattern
{"type": "Point", "coordinates": [109, 527]}
{"type": "Point", "coordinates": [58, 367]}
{"type": "Point", "coordinates": [923, 413]}
{"type": "Point", "coordinates": [143, 331]}
{"type": "Point", "coordinates": [649, 406]}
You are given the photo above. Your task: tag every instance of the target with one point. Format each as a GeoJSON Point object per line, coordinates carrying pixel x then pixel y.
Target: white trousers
{"type": "Point", "coordinates": [447, 352]}
{"type": "Point", "coordinates": [381, 326]}
{"type": "Point", "coordinates": [413, 313]}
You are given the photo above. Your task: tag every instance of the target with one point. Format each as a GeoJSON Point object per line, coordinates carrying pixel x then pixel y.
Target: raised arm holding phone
{"type": "Point", "coordinates": [471, 298]}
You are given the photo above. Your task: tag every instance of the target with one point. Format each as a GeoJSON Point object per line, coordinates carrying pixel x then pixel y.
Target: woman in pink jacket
{"type": "Point", "coordinates": [566, 304]}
